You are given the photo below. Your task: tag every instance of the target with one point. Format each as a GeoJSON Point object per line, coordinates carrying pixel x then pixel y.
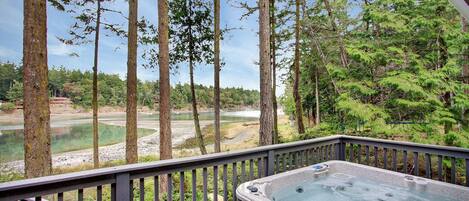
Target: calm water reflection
{"type": "Point", "coordinates": [75, 133]}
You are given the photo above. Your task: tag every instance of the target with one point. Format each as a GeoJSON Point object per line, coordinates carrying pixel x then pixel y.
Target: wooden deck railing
{"type": "Point", "coordinates": [221, 173]}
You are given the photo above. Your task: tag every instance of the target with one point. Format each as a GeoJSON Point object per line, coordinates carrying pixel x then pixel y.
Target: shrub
{"type": "Point", "coordinates": [452, 139]}
{"type": "Point", "coordinates": [7, 107]}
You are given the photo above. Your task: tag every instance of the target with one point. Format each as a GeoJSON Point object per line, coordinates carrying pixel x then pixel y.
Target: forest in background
{"type": "Point", "coordinates": [387, 69]}
{"type": "Point", "coordinates": [77, 85]}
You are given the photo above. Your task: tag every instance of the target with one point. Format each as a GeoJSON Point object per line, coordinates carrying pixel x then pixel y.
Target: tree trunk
{"type": "Point", "coordinates": [131, 125]}
{"type": "Point", "coordinates": [266, 122]}
{"type": "Point", "coordinates": [343, 52]}
{"type": "Point", "coordinates": [323, 60]}
{"type": "Point", "coordinates": [95, 90]}
{"type": "Point", "coordinates": [296, 84]}
{"type": "Point", "coordinates": [273, 48]}
{"type": "Point", "coordinates": [37, 140]}
{"type": "Point", "coordinates": [367, 21]}
{"type": "Point", "coordinates": [195, 113]}
{"type": "Point", "coordinates": [164, 95]}
{"type": "Point", "coordinates": [216, 88]}
{"type": "Point", "coordinates": [316, 91]}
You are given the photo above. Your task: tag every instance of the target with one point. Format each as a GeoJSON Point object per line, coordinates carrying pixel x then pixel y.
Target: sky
{"type": "Point", "coordinates": [239, 49]}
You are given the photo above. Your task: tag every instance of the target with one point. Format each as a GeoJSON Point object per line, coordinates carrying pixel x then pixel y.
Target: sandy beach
{"type": "Point", "coordinates": [147, 145]}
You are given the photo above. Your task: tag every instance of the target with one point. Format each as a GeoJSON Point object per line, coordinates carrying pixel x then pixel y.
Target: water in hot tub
{"type": "Point", "coordinates": [341, 187]}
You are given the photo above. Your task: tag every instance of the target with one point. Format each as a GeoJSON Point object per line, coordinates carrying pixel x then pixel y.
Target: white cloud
{"type": "Point", "coordinates": [60, 49]}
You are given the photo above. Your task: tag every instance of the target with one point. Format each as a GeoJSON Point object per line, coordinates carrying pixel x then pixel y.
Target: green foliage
{"type": "Point", "coordinates": [77, 85]}
{"type": "Point", "coordinates": [358, 110]}
{"type": "Point", "coordinates": [7, 107]}
{"type": "Point", "coordinates": [452, 139]}
{"type": "Point", "coordinates": [403, 76]}
{"type": "Point", "coordinates": [15, 93]}
{"type": "Point", "coordinates": [9, 73]}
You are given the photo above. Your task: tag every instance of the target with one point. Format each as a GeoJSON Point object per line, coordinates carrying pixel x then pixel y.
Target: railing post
{"type": "Point", "coordinates": [122, 187]}
{"type": "Point", "coordinates": [341, 150]}
{"type": "Point", "coordinates": [270, 162]}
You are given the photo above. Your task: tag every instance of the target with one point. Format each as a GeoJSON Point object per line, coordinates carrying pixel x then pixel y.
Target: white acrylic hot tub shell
{"type": "Point", "coordinates": [270, 184]}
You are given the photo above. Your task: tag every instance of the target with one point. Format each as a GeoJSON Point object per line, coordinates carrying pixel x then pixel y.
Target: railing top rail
{"type": "Point", "coordinates": [461, 152]}
{"type": "Point", "coordinates": [157, 165]}
{"type": "Point", "coordinates": [90, 177]}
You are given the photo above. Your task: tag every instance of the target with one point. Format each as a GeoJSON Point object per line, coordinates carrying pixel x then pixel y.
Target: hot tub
{"type": "Point", "coordinates": [344, 181]}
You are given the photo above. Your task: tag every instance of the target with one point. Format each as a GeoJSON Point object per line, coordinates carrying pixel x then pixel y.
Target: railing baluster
{"type": "Point", "coordinates": [336, 150]}
{"type": "Point", "coordinates": [235, 180]}
{"type": "Point", "coordinates": [404, 153]}
{"type": "Point", "coordinates": [311, 156]}
{"type": "Point", "coordinates": [194, 184]}
{"type": "Point", "coordinates": [170, 187]}
{"type": "Point", "coordinates": [299, 159]}
{"type": "Point", "coordinates": [243, 171]}
{"type": "Point", "coordinates": [359, 155]}
{"type": "Point", "coordinates": [416, 163]}
{"type": "Point", "coordinates": [269, 163]}
{"type": "Point", "coordinates": [131, 189]}
{"type": "Point", "coordinates": [215, 183]}
{"type": "Point", "coordinates": [181, 186]}
{"type": "Point", "coordinates": [295, 159]}
{"type": "Point", "coordinates": [225, 182]}
{"type": "Point", "coordinates": [394, 160]}
{"type": "Point", "coordinates": [305, 157]}
{"type": "Point", "coordinates": [142, 189]}
{"type": "Point", "coordinates": [385, 158]}
{"type": "Point", "coordinates": [367, 153]}
{"type": "Point", "coordinates": [352, 158]}
{"type": "Point", "coordinates": [205, 182]}
{"type": "Point", "coordinates": [453, 170]}
{"type": "Point", "coordinates": [277, 164]}
{"type": "Point", "coordinates": [80, 195]}
{"type": "Point", "coordinates": [440, 167]}
{"type": "Point", "coordinates": [60, 196]}
{"type": "Point", "coordinates": [123, 187]}
{"type": "Point", "coordinates": [467, 172]}
{"type": "Point", "coordinates": [341, 151]}
{"type": "Point", "coordinates": [99, 193]}
{"type": "Point", "coordinates": [321, 155]}
{"type": "Point", "coordinates": [326, 152]}
{"type": "Point", "coordinates": [376, 157]}
{"type": "Point", "coordinates": [315, 155]}
{"type": "Point", "coordinates": [428, 166]}
{"type": "Point", "coordinates": [281, 163]}
{"type": "Point", "coordinates": [259, 168]}
{"type": "Point", "coordinates": [285, 162]}
{"type": "Point", "coordinates": [251, 169]}
{"type": "Point", "coordinates": [307, 161]}
{"type": "Point", "coordinates": [332, 151]}
{"type": "Point", "coordinates": [113, 192]}
{"type": "Point", "coordinates": [156, 188]}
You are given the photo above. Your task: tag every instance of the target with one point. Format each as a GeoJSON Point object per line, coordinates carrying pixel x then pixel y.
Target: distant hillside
{"type": "Point", "coordinates": [77, 86]}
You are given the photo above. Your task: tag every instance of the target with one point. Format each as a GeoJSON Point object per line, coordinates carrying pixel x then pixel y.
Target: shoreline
{"type": "Point", "coordinates": [147, 146]}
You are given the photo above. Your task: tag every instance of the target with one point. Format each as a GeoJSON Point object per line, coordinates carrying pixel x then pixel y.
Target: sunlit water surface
{"type": "Point", "coordinates": [75, 133]}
